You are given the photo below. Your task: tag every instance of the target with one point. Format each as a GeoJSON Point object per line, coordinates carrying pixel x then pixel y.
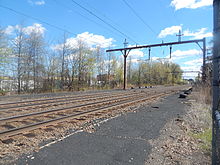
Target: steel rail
{"type": "Point", "coordinates": [19, 117]}
{"type": "Point", "coordinates": [48, 99]}
{"type": "Point", "coordinates": [64, 101]}
{"type": "Point", "coordinates": [19, 130]}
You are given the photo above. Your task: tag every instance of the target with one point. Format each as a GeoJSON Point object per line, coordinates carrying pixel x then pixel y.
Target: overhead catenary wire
{"type": "Point", "coordinates": [106, 17]}
{"type": "Point", "coordinates": [105, 22]}
{"type": "Point", "coordinates": [37, 19]}
{"type": "Point", "coordinates": [42, 21]}
{"type": "Point", "coordinates": [139, 17]}
{"type": "Point", "coordinates": [172, 13]}
{"type": "Point", "coordinates": [67, 7]}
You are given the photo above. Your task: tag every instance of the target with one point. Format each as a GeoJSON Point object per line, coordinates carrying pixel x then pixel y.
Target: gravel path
{"type": "Point", "coordinates": [122, 140]}
{"type": "Point", "coordinates": [186, 139]}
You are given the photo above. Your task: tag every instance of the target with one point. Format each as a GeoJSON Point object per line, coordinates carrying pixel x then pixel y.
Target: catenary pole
{"type": "Point", "coordinates": [125, 54]}
{"type": "Point", "coordinates": [125, 51]}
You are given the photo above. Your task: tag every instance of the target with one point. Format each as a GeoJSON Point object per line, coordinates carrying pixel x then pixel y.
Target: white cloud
{"type": "Point", "coordinates": [190, 75]}
{"type": "Point", "coordinates": [155, 58]}
{"type": "Point", "coordinates": [9, 30]}
{"type": "Point", "coordinates": [159, 59]}
{"type": "Point", "coordinates": [191, 4]}
{"type": "Point", "coordinates": [190, 65]}
{"type": "Point", "coordinates": [91, 40]}
{"type": "Point", "coordinates": [193, 65]}
{"type": "Point", "coordinates": [194, 62]}
{"type": "Point", "coordinates": [135, 60]}
{"type": "Point", "coordinates": [200, 33]}
{"type": "Point", "coordinates": [38, 3]}
{"type": "Point", "coordinates": [194, 68]}
{"type": "Point", "coordinates": [179, 54]}
{"type": "Point", "coordinates": [191, 68]}
{"type": "Point", "coordinates": [170, 31]}
{"type": "Point", "coordinates": [136, 54]}
{"type": "Point", "coordinates": [37, 28]}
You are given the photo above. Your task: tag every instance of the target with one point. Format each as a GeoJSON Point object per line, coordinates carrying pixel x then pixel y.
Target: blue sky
{"type": "Point", "coordinates": [160, 20]}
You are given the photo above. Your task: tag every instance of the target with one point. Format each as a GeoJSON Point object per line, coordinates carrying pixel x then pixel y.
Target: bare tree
{"type": "Point", "coordinates": [100, 63]}
{"type": "Point", "coordinates": [129, 69]}
{"type": "Point", "coordinates": [63, 54]}
{"type": "Point", "coordinates": [18, 50]}
{"type": "Point", "coordinates": [35, 47]}
{"type": "Point", "coordinates": [5, 53]}
{"type": "Point", "coordinates": [52, 70]}
{"type": "Point", "coordinates": [81, 61]}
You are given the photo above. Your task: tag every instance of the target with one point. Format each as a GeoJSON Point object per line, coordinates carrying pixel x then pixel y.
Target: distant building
{"type": "Point", "coordinates": [11, 84]}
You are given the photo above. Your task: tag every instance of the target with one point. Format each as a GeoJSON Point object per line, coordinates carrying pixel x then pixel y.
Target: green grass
{"type": "Point", "coordinates": [206, 138]}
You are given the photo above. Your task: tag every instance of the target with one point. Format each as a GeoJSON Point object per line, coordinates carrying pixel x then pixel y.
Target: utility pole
{"type": "Point", "coordinates": [170, 51]}
{"type": "Point", "coordinates": [179, 36]}
{"type": "Point", "coordinates": [125, 54]}
{"type": "Point", "coordinates": [125, 43]}
{"type": "Point", "coordinates": [215, 84]}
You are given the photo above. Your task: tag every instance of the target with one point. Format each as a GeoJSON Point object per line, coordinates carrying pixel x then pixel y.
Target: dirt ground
{"type": "Point", "coordinates": [186, 140]}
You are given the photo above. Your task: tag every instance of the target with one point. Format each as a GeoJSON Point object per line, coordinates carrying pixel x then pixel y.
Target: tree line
{"type": "Point", "coordinates": [29, 64]}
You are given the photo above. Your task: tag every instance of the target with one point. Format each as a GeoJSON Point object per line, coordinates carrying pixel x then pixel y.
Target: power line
{"type": "Point", "coordinates": [137, 15]}
{"type": "Point", "coordinates": [34, 18]}
{"type": "Point", "coordinates": [90, 12]}
{"type": "Point", "coordinates": [67, 7]}
{"type": "Point", "coordinates": [105, 16]}
{"type": "Point", "coordinates": [172, 13]}
{"type": "Point", "coordinates": [44, 22]}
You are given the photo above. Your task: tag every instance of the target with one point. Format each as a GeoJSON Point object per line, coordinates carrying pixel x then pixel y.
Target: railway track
{"type": "Point", "coordinates": [105, 102]}
{"type": "Point", "coordinates": [18, 104]}
{"type": "Point", "coordinates": [16, 108]}
{"type": "Point", "coordinates": [78, 113]}
{"type": "Point", "coordinates": [81, 106]}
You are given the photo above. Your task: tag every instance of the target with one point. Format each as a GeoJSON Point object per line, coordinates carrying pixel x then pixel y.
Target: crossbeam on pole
{"type": "Point", "coordinates": [156, 45]}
